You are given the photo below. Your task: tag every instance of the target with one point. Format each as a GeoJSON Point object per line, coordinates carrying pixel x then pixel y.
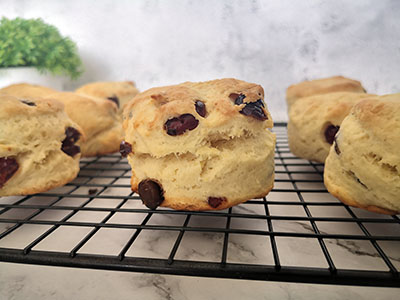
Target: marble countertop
{"type": "Point", "coordinates": [41, 282]}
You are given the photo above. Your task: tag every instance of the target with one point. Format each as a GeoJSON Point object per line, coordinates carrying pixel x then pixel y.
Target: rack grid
{"type": "Point", "coordinates": [298, 233]}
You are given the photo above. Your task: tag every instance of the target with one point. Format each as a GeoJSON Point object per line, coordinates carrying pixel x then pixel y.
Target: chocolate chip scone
{"type": "Point", "coordinates": [363, 167]}
{"type": "Point", "coordinates": [322, 86]}
{"type": "Point", "coordinates": [27, 91]}
{"type": "Point", "coordinates": [99, 120]}
{"type": "Point", "coordinates": [120, 92]}
{"type": "Point", "coordinates": [200, 146]}
{"type": "Point", "coordinates": [38, 146]}
{"type": "Point", "coordinates": [314, 121]}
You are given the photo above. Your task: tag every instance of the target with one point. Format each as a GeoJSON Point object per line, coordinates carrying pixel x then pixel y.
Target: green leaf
{"type": "Point", "coordinates": [32, 42]}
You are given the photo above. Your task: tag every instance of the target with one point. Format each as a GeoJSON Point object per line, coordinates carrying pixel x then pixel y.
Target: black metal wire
{"type": "Point", "coordinates": [287, 167]}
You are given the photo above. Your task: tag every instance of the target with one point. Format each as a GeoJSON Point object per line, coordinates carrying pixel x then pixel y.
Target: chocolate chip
{"type": "Point", "coordinates": [330, 133]}
{"type": "Point", "coordinates": [237, 98]}
{"type": "Point", "coordinates": [92, 191]}
{"type": "Point", "coordinates": [337, 150]}
{"type": "Point", "coordinates": [201, 108]}
{"type": "Point", "coordinates": [179, 125]}
{"type": "Point", "coordinates": [125, 148]}
{"type": "Point", "coordinates": [255, 110]}
{"type": "Point", "coordinates": [29, 103]}
{"type": "Point", "coordinates": [8, 166]}
{"type": "Point", "coordinates": [214, 202]}
{"type": "Point", "coordinates": [151, 193]}
{"type": "Point", "coordinates": [68, 144]}
{"type": "Point", "coordinates": [114, 99]}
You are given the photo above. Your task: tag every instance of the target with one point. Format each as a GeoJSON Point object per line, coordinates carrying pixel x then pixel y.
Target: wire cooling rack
{"type": "Point", "coordinates": [298, 233]}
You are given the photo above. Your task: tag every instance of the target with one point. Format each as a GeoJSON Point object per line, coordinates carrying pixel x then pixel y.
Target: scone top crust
{"type": "Point", "coordinates": [332, 107]}
{"type": "Point", "coordinates": [12, 106]}
{"type": "Point", "coordinates": [146, 116]}
{"type": "Point", "coordinates": [118, 91]}
{"type": "Point", "coordinates": [27, 91]}
{"type": "Point", "coordinates": [322, 86]}
{"type": "Point", "coordinates": [381, 117]}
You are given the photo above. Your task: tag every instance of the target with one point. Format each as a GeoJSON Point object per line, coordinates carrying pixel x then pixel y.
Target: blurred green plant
{"type": "Point", "coordinates": [33, 43]}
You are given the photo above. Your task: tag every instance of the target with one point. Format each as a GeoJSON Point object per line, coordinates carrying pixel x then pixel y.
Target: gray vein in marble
{"type": "Point", "coordinates": [165, 287]}
{"type": "Point", "coordinates": [242, 249]}
{"type": "Point", "coordinates": [348, 245]}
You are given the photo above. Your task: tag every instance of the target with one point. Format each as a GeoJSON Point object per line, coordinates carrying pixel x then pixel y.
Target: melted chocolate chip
{"type": "Point", "coordinates": [237, 98]}
{"type": "Point", "coordinates": [29, 103]}
{"type": "Point", "coordinates": [114, 99]}
{"type": "Point", "coordinates": [125, 148]}
{"type": "Point", "coordinates": [178, 126]}
{"type": "Point", "coordinates": [201, 108]}
{"type": "Point", "coordinates": [8, 166]}
{"type": "Point", "coordinates": [255, 110]}
{"type": "Point", "coordinates": [151, 193]}
{"type": "Point", "coordinates": [337, 150]}
{"type": "Point", "coordinates": [330, 133]}
{"type": "Point", "coordinates": [214, 202]}
{"type": "Point", "coordinates": [68, 144]}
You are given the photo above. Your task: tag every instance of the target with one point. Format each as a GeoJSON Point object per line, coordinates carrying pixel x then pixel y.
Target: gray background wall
{"type": "Point", "coordinates": [273, 43]}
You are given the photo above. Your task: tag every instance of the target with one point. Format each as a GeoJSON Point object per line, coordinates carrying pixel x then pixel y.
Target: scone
{"type": "Point", "coordinates": [99, 120]}
{"type": "Point", "coordinates": [38, 146]}
{"type": "Point", "coordinates": [200, 146]}
{"type": "Point", "coordinates": [27, 91]}
{"type": "Point", "coordinates": [314, 121]}
{"type": "Point", "coordinates": [322, 86]}
{"type": "Point", "coordinates": [120, 92]}
{"type": "Point", "coordinates": [363, 167]}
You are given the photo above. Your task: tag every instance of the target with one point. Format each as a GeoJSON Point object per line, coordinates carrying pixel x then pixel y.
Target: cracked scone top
{"type": "Point", "coordinates": [200, 146]}
{"type": "Point", "coordinates": [38, 146]}
{"type": "Point", "coordinates": [363, 166]}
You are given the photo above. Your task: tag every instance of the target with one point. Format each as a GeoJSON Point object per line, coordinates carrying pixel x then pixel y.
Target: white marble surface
{"type": "Point", "coordinates": [273, 43]}
{"type": "Point", "coordinates": [38, 282]}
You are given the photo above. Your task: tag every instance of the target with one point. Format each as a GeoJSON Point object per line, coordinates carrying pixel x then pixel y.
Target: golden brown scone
{"type": "Point", "coordinates": [120, 92]}
{"type": "Point", "coordinates": [322, 86]}
{"type": "Point", "coordinates": [363, 166]}
{"type": "Point", "coordinates": [38, 149]}
{"type": "Point", "coordinates": [99, 120]}
{"type": "Point", "coordinates": [200, 146]}
{"type": "Point", "coordinates": [314, 121]}
{"type": "Point", "coordinates": [27, 91]}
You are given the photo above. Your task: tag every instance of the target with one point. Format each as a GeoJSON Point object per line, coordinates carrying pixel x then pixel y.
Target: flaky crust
{"type": "Point", "coordinates": [228, 155]}
{"type": "Point", "coordinates": [364, 171]}
{"type": "Point", "coordinates": [310, 116]}
{"type": "Point", "coordinates": [322, 86]}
